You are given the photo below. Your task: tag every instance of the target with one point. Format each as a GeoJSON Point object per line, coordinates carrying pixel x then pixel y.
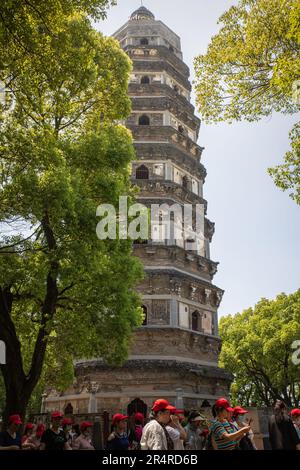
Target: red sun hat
{"type": "Point", "coordinates": [56, 414]}
{"type": "Point", "coordinates": [295, 412]}
{"type": "Point", "coordinates": [223, 403]}
{"type": "Point", "coordinates": [162, 405]}
{"type": "Point", "coordinates": [174, 411]}
{"type": "Point", "coordinates": [40, 430]}
{"type": "Point", "coordinates": [15, 419]}
{"type": "Point", "coordinates": [85, 424]}
{"type": "Point", "coordinates": [67, 422]}
{"type": "Point", "coordinates": [118, 417]}
{"type": "Point", "coordinates": [238, 410]}
{"type": "Point", "coordinates": [29, 426]}
{"type": "Point", "coordinates": [139, 417]}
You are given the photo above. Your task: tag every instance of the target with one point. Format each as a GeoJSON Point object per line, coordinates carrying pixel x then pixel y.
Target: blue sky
{"type": "Point", "coordinates": [257, 225]}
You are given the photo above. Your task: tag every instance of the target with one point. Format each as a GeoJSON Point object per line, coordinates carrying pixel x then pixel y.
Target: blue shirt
{"type": "Point", "coordinates": [120, 442]}
{"type": "Point", "coordinates": [6, 440]}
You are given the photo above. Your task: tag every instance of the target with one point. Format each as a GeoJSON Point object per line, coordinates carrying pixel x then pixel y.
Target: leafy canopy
{"type": "Point", "coordinates": [258, 349]}
{"type": "Point", "coordinates": [252, 69]}
{"type": "Point", "coordinates": [62, 153]}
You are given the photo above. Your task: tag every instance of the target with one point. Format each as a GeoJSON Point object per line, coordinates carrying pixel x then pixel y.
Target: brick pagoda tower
{"type": "Point", "coordinates": [175, 353]}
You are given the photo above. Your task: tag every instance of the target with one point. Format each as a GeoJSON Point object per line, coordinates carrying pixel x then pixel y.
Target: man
{"type": "Point", "coordinates": [11, 438]}
{"type": "Point", "coordinates": [155, 435]}
{"type": "Point", "coordinates": [54, 438]}
{"type": "Point", "coordinates": [282, 432]}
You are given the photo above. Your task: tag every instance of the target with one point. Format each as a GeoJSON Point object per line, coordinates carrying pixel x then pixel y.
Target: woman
{"type": "Point", "coordinates": [26, 438]}
{"type": "Point", "coordinates": [67, 429]}
{"type": "Point", "coordinates": [136, 431]}
{"type": "Point", "coordinates": [11, 438]}
{"type": "Point", "coordinates": [223, 434]}
{"type": "Point", "coordinates": [35, 438]}
{"type": "Point", "coordinates": [118, 439]}
{"type": "Point", "coordinates": [295, 415]}
{"type": "Point", "coordinates": [54, 438]}
{"type": "Point", "coordinates": [238, 422]}
{"type": "Point", "coordinates": [194, 440]}
{"type": "Point", "coordinates": [282, 432]}
{"type": "Point", "coordinates": [155, 436]}
{"type": "Point", "coordinates": [84, 440]}
{"type": "Point", "coordinates": [175, 430]}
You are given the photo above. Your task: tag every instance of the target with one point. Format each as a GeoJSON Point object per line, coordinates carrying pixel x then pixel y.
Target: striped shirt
{"type": "Point", "coordinates": [218, 429]}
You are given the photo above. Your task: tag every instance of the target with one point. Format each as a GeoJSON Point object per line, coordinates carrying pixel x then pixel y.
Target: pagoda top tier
{"type": "Point", "coordinates": [143, 29]}
{"type": "Point", "coordinates": [142, 14]}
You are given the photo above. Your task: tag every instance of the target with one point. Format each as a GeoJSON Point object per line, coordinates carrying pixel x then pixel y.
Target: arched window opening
{"type": "Point", "coordinates": [142, 173]}
{"type": "Point", "coordinates": [144, 121]}
{"type": "Point", "coordinates": [181, 129]}
{"type": "Point", "coordinates": [144, 42]}
{"type": "Point", "coordinates": [195, 321]}
{"type": "Point", "coordinates": [145, 311]}
{"type": "Point", "coordinates": [145, 80]}
{"type": "Point", "coordinates": [137, 406]}
{"type": "Point", "coordinates": [69, 409]}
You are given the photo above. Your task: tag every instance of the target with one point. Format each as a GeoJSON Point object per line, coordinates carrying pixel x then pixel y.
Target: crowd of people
{"type": "Point", "coordinates": [167, 429]}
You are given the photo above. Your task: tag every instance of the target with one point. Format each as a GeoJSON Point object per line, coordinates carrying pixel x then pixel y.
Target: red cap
{"type": "Point", "coordinates": [85, 424]}
{"type": "Point", "coordinates": [174, 411]}
{"type": "Point", "coordinates": [161, 405]}
{"type": "Point", "coordinates": [117, 418]}
{"type": "Point", "coordinates": [223, 403]}
{"type": "Point", "coordinates": [56, 414]}
{"type": "Point", "coordinates": [40, 430]}
{"type": "Point", "coordinates": [15, 419]}
{"type": "Point", "coordinates": [238, 410]}
{"type": "Point", "coordinates": [139, 417]}
{"type": "Point", "coordinates": [67, 422]}
{"type": "Point", "coordinates": [295, 412]}
{"type": "Point", "coordinates": [29, 426]}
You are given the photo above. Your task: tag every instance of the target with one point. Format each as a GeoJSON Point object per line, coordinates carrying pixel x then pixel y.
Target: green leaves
{"type": "Point", "coordinates": [250, 69]}
{"type": "Point", "coordinates": [62, 154]}
{"type": "Point", "coordinates": [257, 349]}
{"type": "Point", "coordinates": [287, 175]}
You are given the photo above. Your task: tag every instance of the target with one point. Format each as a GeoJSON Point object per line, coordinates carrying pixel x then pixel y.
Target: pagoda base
{"type": "Point", "coordinates": [135, 385]}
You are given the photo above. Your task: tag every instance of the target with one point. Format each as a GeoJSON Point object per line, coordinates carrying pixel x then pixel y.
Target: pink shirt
{"type": "Point", "coordinates": [83, 443]}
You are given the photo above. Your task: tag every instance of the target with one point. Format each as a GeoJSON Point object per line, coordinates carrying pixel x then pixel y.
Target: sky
{"type": "Point", "coordinates": [257, 225]}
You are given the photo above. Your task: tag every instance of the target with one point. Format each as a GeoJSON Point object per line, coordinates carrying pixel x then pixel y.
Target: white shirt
{"type": "Point", "coordinates": [175, 436]}
{"type": "Point", "coordinates": [153, 437]}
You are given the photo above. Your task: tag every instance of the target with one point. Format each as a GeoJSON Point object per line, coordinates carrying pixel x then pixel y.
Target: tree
{"type": "Point", "coordinates": [251, 69]}
{"type": "Point", "coordinates": [258, 350]}
{"type": "Point", "coordinates": [63, 292]}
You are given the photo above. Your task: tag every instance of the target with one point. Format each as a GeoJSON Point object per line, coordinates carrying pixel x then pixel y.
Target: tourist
{"type": "Point", "coordinates": [35, 438]}
{"type": "Point", "coordinates": [295, 415]}
{"type": "Point", "coordinates": [194, 439]}
{"type": "Point", "coordinates": [84, 440]}
{"type": "Point", "coordinates": [67, 429]}
{"type": "Point", "coordinates": [118, 439]}
{"type": "Point", "coordinates": [136, 431]}
{"type": "Point", "coordinates": [54, 438]}
{"type": "Point", "coordinates": [223, 434]}
{"type": "Point", "coordinates": [282, 432]}
{"type": "Point", "coordinates": [26, 438]}
{"type": "Point", "coordinates": [238, 422]}
{"type": "Point", "coordinates": [155, 436]}
{"type": "Point", "coordinates": [175, 430]}
{"type": "Point", "coordinates": [11, 438]}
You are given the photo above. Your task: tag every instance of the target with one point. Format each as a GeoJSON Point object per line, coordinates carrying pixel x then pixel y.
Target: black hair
{"type": "Point", "coordinates": [216, 410]}
{"type": "Point", "coordinates": [280, 411]}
